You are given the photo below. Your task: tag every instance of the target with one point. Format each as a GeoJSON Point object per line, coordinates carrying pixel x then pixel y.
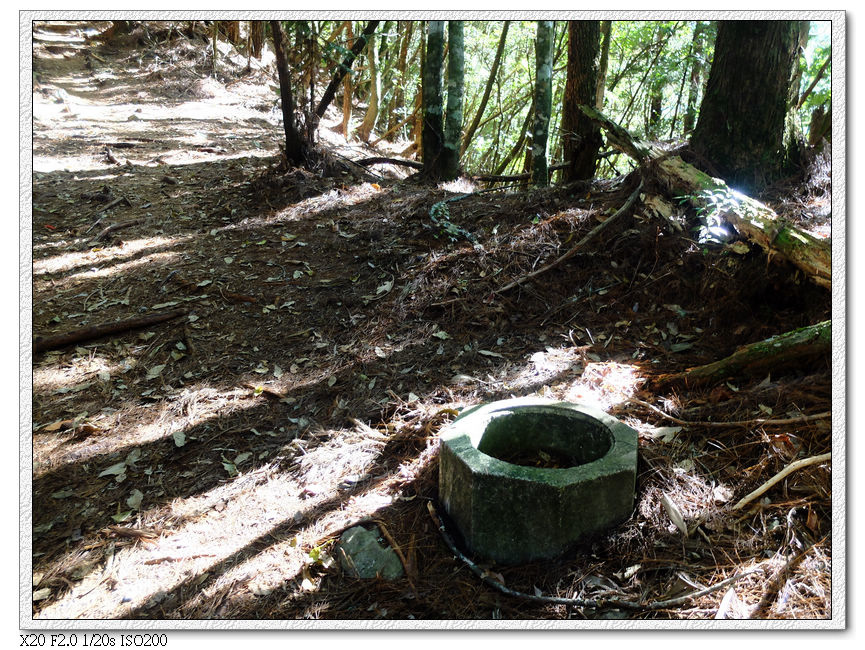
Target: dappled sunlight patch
{"type": "Point", "coordinates": [335, 198]}
{"type": "Point", "coordinates": [205, 543]}
{"type": "Point", "coordinates": [461, 185]}
{"type": "Point", "coordinates": [100, 255]}
{"type": "Point", "coordinates": [611, 383]}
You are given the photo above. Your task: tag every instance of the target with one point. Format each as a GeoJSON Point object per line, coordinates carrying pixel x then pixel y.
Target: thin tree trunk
{"type": "Point", "coordinates": [519, 143]}
{"type": "Point", "coordinates": [369, 120]}
{"type": "Point", "coordinates": [345, 67]}
{"type": "Point", "coordinates": [543, 101]}
{"type": "Point", "coordinates": [256, 37]}
{"type": "Point", "coordinates": [696, 78]}
{"type": "Point", "coordinates": [606, 31]}
{"type": "Point", "coordinates": [450, 165]}
{"type": "Point", "coordinates": [433, 136]}
{"type": "Point", "coordinates": [656, 88]}
{"type": "Point", "coordinates": [294, 152]}
{"type": "Point", "coordinates": [494, 70]}
{"type": "Point", "coordinates": [813, 83]}
{"type": "Point", "coordinates": [347, 93]}
{"type": "Point", "coordinates": [397, 104]}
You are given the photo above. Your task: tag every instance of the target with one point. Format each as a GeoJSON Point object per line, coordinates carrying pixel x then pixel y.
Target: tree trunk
{"type": "Point", "coordinates": [606, 31]}
{"type": "Point", "coordinates": [696, 77]}
{"type": "Point", "coordinates": [515, 150]}
{"type": "Point", "coordinates": [656, 91]}
{"type": "Point", "coordinates": [347, 93]}
{"type": "Point", "coordinates": [398, 106]}
{"type": "Point", "coordinates": [450, 158]}
{"type": "Point", "coordinates": [256, 37]}
{"type": "Point", "coordinates": [799, 65]}
{"type": "Point", "coordinates": [231, 29]}
{"type": "Point", "coordinates": [821, 125]}
{"type": "Point", "coordinates": [757, 359]}
{"type": "Point", "coordinates": [582, 138]}
{"type": "Point", "coordinates": [741, 127]}
{"type": "Point", "coordinates": [294, 149]}
{"type": "Point", "coordinates": [432, 135]}
{"type": "Point", "coordinates": [345, 66]}
{"type": "Point", "coordinates": [369, 119]}
{"type": "Point", "coordinates": [494, 70]}
{"type": "Point", "coordinates": [543, 101]}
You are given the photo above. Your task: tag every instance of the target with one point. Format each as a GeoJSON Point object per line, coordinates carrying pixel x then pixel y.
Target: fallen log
{"type": "Point", "coordinates": [751, 219]}
{"type": "Point", "coordinates": [791, 348]}
{"type": "Point", "coordinates": [42, 343]}
{"type": "Point", "coordinates": [378, 160]}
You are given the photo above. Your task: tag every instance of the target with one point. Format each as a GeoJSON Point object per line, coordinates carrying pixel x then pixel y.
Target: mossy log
{"type": "Point", "coordinates": [751, 219]}
{"type": "Point", "coordinates": [784, 350]}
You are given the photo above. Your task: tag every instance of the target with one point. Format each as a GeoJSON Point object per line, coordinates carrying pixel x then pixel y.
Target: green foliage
{"type": "Point", "coordinates": [647, 83]}
{"type": "Point", "coordinates": [819, 49]}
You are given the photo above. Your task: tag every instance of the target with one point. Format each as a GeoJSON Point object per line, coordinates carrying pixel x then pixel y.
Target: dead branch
{"type": "Point", "coordinates": [734, 423]}
{"type": "Point", "coordinates": [42, 343]}
{"type": "Point", "coordinates": [389, 161]}
{"type": "Point", "coordinates": [119, 199]}
{"type": "Point", "coordinates": [117, 226]}
{"type": "Point", "coordinates": [576, 247]}
{"type": "Point", "coordinates": [792, 467]}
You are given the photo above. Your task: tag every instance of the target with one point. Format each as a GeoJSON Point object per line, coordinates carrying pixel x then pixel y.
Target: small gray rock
{"type": "Point", "coordinates": [362, 556]}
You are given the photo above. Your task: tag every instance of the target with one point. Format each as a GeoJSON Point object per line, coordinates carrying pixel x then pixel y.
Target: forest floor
{"type": "Point", "coordinates": [203, 467]}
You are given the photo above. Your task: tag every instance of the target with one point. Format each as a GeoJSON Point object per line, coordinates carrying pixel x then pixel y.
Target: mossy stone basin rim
{"type": "Point", "coordinates": [513, 513]}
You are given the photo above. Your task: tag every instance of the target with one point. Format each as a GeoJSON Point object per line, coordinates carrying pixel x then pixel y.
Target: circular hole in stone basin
{"type": "Point", "coordinates": [538, 438]}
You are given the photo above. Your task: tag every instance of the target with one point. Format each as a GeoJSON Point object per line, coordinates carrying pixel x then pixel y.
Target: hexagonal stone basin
{"type": "Point", "coordinates": [527, 479]}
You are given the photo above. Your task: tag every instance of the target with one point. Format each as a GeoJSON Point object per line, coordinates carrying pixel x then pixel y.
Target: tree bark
{"type": "Point", "coordinates": [432, 135]}
{"type": "Point", "coordinates": [256, 37]}
{"type": "Point", "coordinates": [606, 31]}
{"type": "Point", "coordinates": [582, 138]}
{"type": "Point", "coordinates": [741, 127]}
{"type": "Point", "coordinates": [543, 101]}
{"type": "Point", "coordinates": [345, 67]}
{"type": "Point", "coordinates": [494, 70]}
{"type": "Point", "coordinates": [371, 116]}
{"type": "Point", "coordinates": [696, 79]}
{"type": "Point", "coordinates": [656, 90]}
{"type": "Point", "coordinates": [450, 158]}
{"type": "Point", "coordinates": [294, 149]}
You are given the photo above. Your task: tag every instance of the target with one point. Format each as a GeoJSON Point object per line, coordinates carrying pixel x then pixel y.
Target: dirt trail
{"type": "Point", "coordinates": [202, 468]}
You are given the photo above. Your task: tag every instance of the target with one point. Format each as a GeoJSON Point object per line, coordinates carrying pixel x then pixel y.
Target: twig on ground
{"type": "Point", "coordinates": [792, 467]}
{"type": "Point", "coordinates": [732, 423]}
{"type": "Point", "coordinates": [576, 247]}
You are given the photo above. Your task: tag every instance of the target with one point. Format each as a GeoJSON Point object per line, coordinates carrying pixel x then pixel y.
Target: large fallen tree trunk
{"type": "Point", "coordinates": [751, 219]}
{"type": "Point", "coordinates": [791, 348]}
